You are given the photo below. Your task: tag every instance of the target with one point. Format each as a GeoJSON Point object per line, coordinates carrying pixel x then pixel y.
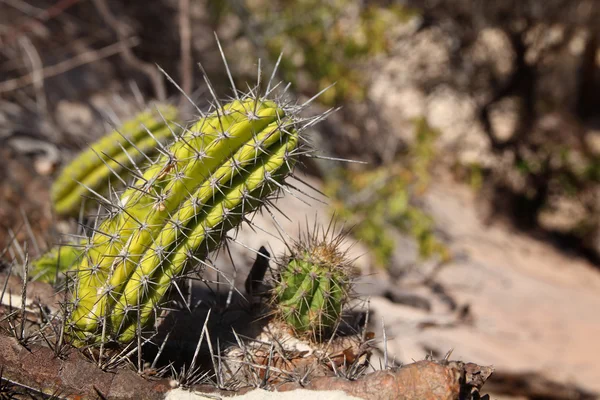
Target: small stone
{"type": "Point", "coordinates": [44, 166]}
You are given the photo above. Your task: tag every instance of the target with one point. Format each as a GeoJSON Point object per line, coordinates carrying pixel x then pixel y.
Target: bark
{"type": "Point", "coordinates": [74, 376]}
{"type": "Point", "coordinates": [421, 380]}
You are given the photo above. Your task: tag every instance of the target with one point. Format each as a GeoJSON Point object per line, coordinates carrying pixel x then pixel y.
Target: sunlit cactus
{"type": "Point", "coordinates": [314, 285]}
{"type": "Point", "coordinates": [110, 160]}
{"type": "Point", "coordinates": [220, 169]}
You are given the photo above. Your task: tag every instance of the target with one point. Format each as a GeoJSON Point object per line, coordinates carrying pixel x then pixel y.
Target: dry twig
{"type": "Point", "coordinates": [185, 34]}
{"type": "Point", "coordinates": [64, 66]}
{"type": "Point", "coordinates": [122, 31]}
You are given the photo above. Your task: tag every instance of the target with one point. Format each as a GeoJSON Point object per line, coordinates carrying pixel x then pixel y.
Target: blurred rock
{"type": "Point", "coordinates": [74, 118]}
{"type": "Point", "coordinates": [454, 114]}
{"type": "Point", "coordinates": [562, 215]}
{"type": "Point", "coordinates": [592, 140]}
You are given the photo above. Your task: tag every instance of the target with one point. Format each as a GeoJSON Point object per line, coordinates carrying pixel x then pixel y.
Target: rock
{"type": "Point", "coordinates": [592, 140]}
{"type": "Point", "coordinates": [534, 308]}
{"type": "Point", "coordinates": [454, 115]}
{"type": "Point", "coordinates": [73, 117]}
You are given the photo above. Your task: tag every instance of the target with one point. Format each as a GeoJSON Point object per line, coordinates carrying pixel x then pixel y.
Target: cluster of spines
{"type": "Point", "coordinates": [205, 183]}
{"type": "Point", "coordinates": [99, 167]}
{"type": "Point", "coordinates": [314, 285]}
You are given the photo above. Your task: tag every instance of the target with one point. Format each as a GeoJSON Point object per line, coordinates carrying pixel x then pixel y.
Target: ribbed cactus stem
{"type": "Point", "coordinates": [220, 169]}
{"type": "Point", "coordinates": [97, 167]}
{"type": "Point", "coordinates": [243, 198]}
{"type": "Point", "coordinates": [313, 287]}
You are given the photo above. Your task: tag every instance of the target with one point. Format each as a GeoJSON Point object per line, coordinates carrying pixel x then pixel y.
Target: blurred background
{"type": "Point", "coordinates": [477, 208]}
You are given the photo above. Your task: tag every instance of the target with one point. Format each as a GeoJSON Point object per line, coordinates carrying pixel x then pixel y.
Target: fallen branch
{"type": "Point", "coordinates": [64, 66]}
{"type": "Point", "coordinates": [14, 32]}
{"type": "Point", "coordinates": [36, 368]}
{"type": "Point", "coordinates": [417, 381]}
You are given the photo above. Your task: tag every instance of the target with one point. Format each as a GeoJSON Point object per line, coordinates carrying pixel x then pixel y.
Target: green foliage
{"type": "Point", "coordinates": [560, 173]}
{"type": "Point", "coordinates": [592, 170]}
{"type": "Point", "coordinates": [378, 200]}
{"type": "Point", "coordinates": [221, 168]}
{"type": "Point", "coordinates": [473, 174]}
{"type": "Point", "coordinates": [549, 184]}
{"type": "Point", "coordinates": [325, 42]}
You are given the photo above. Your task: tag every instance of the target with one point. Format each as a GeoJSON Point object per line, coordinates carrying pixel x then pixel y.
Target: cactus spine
{"type": "Point", "coordinates": [314, 285]}
{"type": "Point", "coordinates": [97, 167]}
{"type": "Point", "coordinates": [216, 172]}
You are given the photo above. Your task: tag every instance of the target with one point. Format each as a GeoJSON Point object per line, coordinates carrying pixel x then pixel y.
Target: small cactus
{"type": "Point", "coordinates": [206, 182]}
{"type": "Point", "coordinates": [311, 290]}
{"type": "Point", "coordinates": [97, 168]}
{"type": "Point", "coordinates": [313, 286]}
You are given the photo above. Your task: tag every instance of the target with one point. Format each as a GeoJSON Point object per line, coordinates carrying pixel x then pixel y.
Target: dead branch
{"type": "Point", "coordinates": [76, 377]}
{"type": "Point", "coordinates": [122, 32]}
{"type": "Point", "coordinates": [185, 34]}
{"type": "Point", "coordinates": [417, 381]}
{"type": "Point", "coordinates": [37, 73]}
{"type": "Point", "coordinates": [41, 15]}
{"type": "Point", "coordinates": [64, 66]}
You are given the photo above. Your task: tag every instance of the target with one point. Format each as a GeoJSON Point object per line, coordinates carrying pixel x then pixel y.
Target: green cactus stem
{"type": "Point", "coordinates": [313, 286]}
{"type": "Point", "coordinates": [59, 259]}
{"type": "Point", "coordinates": [97, 168]}
{"type": "Point", "coordinates": [220, 169]}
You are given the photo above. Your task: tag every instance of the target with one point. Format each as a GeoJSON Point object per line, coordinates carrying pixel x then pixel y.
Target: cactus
{"type": "Point", "coordinates": [98, 167]}
{"type": "Point", "coordinates": [310, 292]}
{"type": "Point", "coordinates": [214, 174]}
{"type": "Point", "coordinates": [58, 259]}
{"type": "Point", "coordinates": [313, 286]}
